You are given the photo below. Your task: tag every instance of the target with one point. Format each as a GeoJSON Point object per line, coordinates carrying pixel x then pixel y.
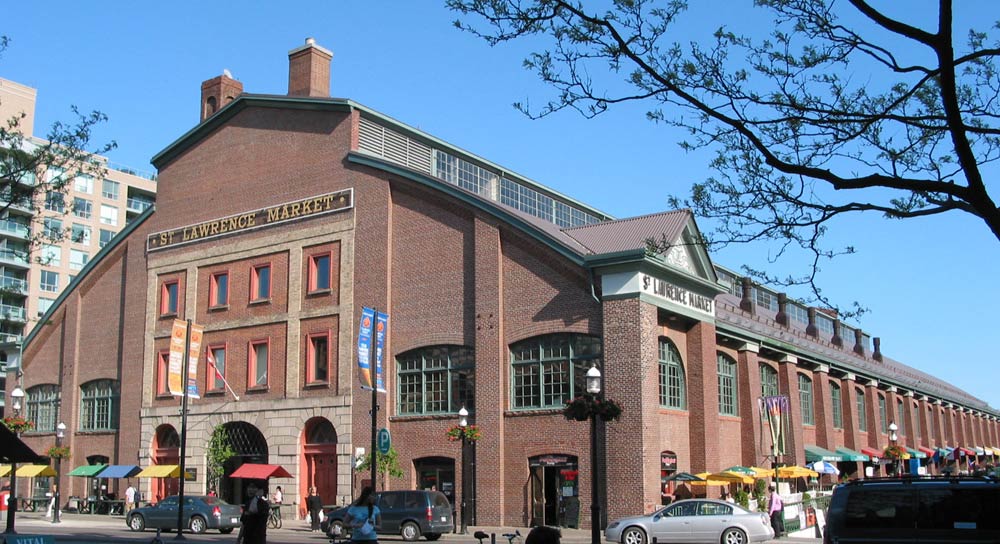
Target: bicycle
{"type": "Point", "coordinates": [274, 517]}
{"type": "Point", "coordinates": [512, 538]}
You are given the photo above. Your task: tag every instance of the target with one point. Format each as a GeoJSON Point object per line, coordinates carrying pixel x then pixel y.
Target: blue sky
{"type": "Point", "coordinates": [930, 284]}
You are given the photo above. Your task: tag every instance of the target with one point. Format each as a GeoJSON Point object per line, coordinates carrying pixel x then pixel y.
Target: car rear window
{"type": "Point", "coordinates": [440, 500]}
{"type": "Point", "coordinates": [956, 508]}
{"type": "Point", "coordinates": [880, 508]}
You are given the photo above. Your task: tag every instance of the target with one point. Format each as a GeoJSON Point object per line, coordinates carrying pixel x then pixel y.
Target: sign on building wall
{"type": "Point", "coordinates": [668, 295]}
{"type": "Point", "coordinates": [243, 222]}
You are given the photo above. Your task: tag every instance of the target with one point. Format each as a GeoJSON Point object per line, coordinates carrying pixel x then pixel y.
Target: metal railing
{"type": "Point", "coordinates": [132, 171]}
{"type": "Point", "coordinates": [13, 312]}
{"type": "Point", "coordinates": [137, 205]}
{"type": "Point", "coordinates": [13, 284]}
{"type": "Point", "coordinates": [12, 256]}
{"type": "Point", "coordinates": [13, 227]}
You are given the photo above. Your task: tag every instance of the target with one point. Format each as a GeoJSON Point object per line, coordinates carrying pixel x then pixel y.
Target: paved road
{"type": "Point", "coordinates": [89, 529]}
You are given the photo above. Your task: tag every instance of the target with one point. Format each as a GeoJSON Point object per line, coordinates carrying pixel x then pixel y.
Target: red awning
{"type": "Point", "coordinates": [966, 451]}
{"type": "Point", "coordinates": [929, 452]}
{"type": "Point", "coordinates": [260, 472]}
{"type": "Point", "coordinates": [870, 452]}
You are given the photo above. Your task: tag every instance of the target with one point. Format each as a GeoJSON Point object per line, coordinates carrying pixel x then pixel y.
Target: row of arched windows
{"type": "Point", "coordinates": [98, 406]}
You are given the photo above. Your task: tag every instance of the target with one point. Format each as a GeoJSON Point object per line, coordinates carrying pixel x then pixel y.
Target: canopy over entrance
{"type": "Point", "coordinates": [255, 471]}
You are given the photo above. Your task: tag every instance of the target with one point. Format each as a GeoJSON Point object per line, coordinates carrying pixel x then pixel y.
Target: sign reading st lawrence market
{"type": "Point", "coordinates": [282, 213]}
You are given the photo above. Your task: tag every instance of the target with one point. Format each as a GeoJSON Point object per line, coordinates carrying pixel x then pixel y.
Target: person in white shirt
{"type": "Point", "coordinates": [129, 498]}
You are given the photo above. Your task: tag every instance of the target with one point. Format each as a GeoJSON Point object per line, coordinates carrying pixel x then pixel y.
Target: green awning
{"type": "Point", "coordinates": [850, 455]}
{"type": "Point", "coordinates": [816, 453]}
{"type": "Point", "coordinates": [916, 454]}
{"type": "Point", "coordinates": [87, 470]}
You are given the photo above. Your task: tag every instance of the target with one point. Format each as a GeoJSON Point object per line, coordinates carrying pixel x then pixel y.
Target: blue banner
{"type": "Point", "coordinates": [365, 347]}
{"type": "Point", "coordinates": [381, 327]}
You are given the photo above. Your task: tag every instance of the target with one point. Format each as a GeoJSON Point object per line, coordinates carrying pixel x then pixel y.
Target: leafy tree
{"type": "Point", "coordinates": [843, 108]}
{"type": "Point", "coordinates": [219, 451]}
{"type": "Point", "coordinates": [35, 172]}
{"type": "Point", "coordinates": [387, 464]}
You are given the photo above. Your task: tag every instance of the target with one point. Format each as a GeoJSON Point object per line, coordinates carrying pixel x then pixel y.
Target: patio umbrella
{"type": "Point", "coordinates": [824, 467]}
{"type": "Point", "coordinates": [796, 472]}
{"type": "Point", "coordinates": [733, 477]}
{"type": "Point", "coordinates": [740, 469]}
{"type": "Point", "coordinates": [683, 477]}
{"type": "Point", "coordinates": [706, 481]}
{"type": "Point", "coordinates": [760, 472]}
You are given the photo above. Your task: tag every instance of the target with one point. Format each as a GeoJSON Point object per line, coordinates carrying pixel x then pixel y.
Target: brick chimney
{"type": "Point", "coordinates": [309, 70]}
{"type": "Point", "coordinates": [217, 92]}
{"type": "Point", "coordinates": [747, 303]}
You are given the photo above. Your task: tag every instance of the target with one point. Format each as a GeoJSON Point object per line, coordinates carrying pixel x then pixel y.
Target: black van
{"type": "Point", "coordinates": [410, 514]}
{"type": "Point", "coordinates": [935, 509]}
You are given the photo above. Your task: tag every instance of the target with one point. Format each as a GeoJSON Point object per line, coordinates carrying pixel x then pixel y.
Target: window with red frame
{"type": "Point", "coordinates": [320, 273]}
{"type": "Point", "coordinates": [318, 358]}
{"type": "Point", "coordinates": [216, 357]}
{"type": "Point", "coordinates": [219, 295]}
{"type": "Point", "coordinates": [259, 359]}
{"type": "Point", "coordinates": [260, 280]}
{"type": "Point", "coordinates": [169, 293]}
{"type": "Point", "coordinates": [162, 373]}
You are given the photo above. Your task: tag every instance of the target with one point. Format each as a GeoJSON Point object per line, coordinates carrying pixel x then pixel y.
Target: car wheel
{"type": "Point", "coordinates": [432, 536]}
{"type": "Point", "coordinates": [410, 531]}
{"type": "Point", "coordinates": [226, 531]}
{"type": "Point", "coordinates": [136, 523]}
{"type": "Point", "coordinates": [633, 535]}
{"type": "Point", "coordinates": [734, 536]}
{"type": "Point", "coordinates": [198, 524]}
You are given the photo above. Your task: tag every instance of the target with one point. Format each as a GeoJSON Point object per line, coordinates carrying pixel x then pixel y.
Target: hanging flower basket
{"type": "Point", "coordinates": [893, 452]}
{"type": "Point", "coordinates": [58, 452]}
{"type": "Point", "coordinates": [472, 433]}
{"type": "Point", "coordinates": [583, 407]}
{"type": "Point", "coordinates": [18, 424]}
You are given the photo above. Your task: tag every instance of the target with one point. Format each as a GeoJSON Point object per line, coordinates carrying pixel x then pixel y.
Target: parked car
{"type": "Point", "coordinates": [693, 520]}
{"type": "Point", "coordinates": [200, 514]}
{"type": "Point", "coordinates": [410, 514]}
{"type": "Point", "coordinates": [956, 509]}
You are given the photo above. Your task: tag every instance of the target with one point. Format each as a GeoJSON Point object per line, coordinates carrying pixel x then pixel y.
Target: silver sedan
{"type": "Point", "coordinates": [694, 520]}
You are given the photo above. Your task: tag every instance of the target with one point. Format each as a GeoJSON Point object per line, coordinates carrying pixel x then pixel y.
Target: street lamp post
{"type": "Point", "coordinates": [463, 422]}
{"type": "Point", "coordinates": [60, 432]}
{"type": "Point", "coordinates": [16, 394]}
{"type": "Point", "coordinates": [594, 388]}
{"type": "Point", "coordinates": [892, 442]}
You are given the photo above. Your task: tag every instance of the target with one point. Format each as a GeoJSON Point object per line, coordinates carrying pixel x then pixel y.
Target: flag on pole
{"type": "Point", "coordinates": [211, 362]}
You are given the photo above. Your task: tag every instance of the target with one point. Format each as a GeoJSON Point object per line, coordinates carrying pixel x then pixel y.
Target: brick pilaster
{"type": "Point", "coordinates": [788, 381]}
{"type": "Point", "coordinates": [823, 408]}
{"type": "Point", "coordinates": [748, 368]}
{"type": "Point", "coordinates": [849, 395]}
{"type": "Point", "coordinates": [703, 395]}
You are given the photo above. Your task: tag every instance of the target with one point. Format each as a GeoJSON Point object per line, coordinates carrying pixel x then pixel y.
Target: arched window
{"type": "Point", "coordinates": [862, 413]}
{"type": "Point", "coordinates": [42, 403]}
{"type": "Point", "coordinates": [806, 399]}
{"type": "Point", "coordinates": [901, 416]}
{"type": "Point", "coordinates": [838, 414]}
{"type": "Point", "coordinates": [436, 380]}
{"type": "Point", "coordinates": [211, 105]}
{"type": "Point", "coordinates": [672, 388]}
{"type": "Point", "coordinates": [728, 399]}
{"type": "Point", "coordinates": [547, 371]}
{"type": "Point", "coordinates": [99, 405]}
{"type": "Point", "coordinates": [768, 381]}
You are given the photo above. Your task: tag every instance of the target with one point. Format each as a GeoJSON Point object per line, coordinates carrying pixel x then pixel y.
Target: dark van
{"type": "Point", "coordinates": [410, 514]}
{"type": "Point", "coordinates": [913, 510]}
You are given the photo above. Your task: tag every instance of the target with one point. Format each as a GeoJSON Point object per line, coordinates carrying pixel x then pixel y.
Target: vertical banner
{"type": "Point", "coordinates": [178, 336]}
{"type": "Point", "coordinates": [381, 328]}
{"type": "Point", "coordinates": [197, 331]}
{"type": "Point", "coordinates": [773, 410]}
{"type": "Point", "coordinates": [364, 347]}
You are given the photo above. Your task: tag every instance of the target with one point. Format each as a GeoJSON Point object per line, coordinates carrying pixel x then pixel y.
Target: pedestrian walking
{"type": "Point", "coordinates": [129, 498]}
{"type": "Point", "coordinates": [363, 517]}
{"type": "Point", "coordinates": [254, 518]}
{"type": "Point", "coordinates": [775, 509]}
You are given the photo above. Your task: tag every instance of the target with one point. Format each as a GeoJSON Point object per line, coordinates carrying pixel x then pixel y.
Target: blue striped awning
{"type": "Point", "coordinates": [119, 471]}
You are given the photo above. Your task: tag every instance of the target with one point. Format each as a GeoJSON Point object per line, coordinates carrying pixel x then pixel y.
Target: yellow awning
{"type": "Point", "coordinates": [161, 471]}
{"type": "Point", "coordinates": [4, 470]}
{"type": "Point", "coordinates": [796, 472]}
{"type": "Point", "coordinates": [35, 471]}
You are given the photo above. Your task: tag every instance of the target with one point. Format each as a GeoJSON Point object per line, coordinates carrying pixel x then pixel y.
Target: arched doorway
{"type": "Point", "coordinates": [554, 490]}
{"type": "Point", "coordinates": [250, 447]}
{"type": "Point", "coordinates": [166, 451]}
{"type": "Point", "coordinates": [319, 460]}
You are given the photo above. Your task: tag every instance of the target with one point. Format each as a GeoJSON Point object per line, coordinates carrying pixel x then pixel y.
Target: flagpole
{"type": "Point", "coordinates": [184, 414]}
{"type": "Point", "coordinates": [211, 361]}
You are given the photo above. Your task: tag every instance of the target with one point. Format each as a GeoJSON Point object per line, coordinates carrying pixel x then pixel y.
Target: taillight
{"type": "Point", "coordinates": [430, 514]}
{"type": "Point", "coordinates": [217, 512]}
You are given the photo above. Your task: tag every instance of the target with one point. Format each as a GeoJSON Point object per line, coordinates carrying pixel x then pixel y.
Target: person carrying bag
{"type": "Point", "coordinates": [363, 517]}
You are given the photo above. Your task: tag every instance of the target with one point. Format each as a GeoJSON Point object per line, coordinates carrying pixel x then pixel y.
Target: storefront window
{"type": "Point", "coordinates": [549, 370]}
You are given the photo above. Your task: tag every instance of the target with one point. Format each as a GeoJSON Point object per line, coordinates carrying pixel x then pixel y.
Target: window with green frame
{"type": "Point", "coordinates": [806, 399]}
{"type": "Point", "coordinates": [672, 388]}
{"type": "Point", "coordinates": [436, 380]}
{"type": "Point", "coordinates": [862, 413]}
{"type": "Point", "coordinates": [835, 400]}
{"type": "Point", "coordinates": [768, 380]}
{"type": "Point", "coordinates": [41, 403]}
{"type": "Point", "coordinates": [882, 415]}
{"type": "Point", "coordinates": [900, 416]}
{"type": "Point", "coordinates": [728, 398]}
{"type": "Point", "coordinates": [99, 405]}
{"type": "Point", "coordinates": [547, 371]}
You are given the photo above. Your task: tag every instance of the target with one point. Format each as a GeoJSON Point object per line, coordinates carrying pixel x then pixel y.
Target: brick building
{"type": "Point", "coordinates": [279, 217]}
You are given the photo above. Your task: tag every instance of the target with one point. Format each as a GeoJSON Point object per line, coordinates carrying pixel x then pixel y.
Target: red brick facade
{"type": "Point", "coordinates": [451, 269]}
